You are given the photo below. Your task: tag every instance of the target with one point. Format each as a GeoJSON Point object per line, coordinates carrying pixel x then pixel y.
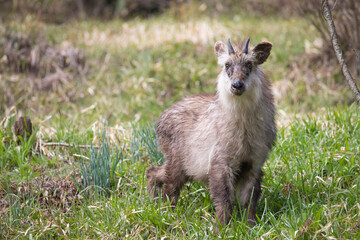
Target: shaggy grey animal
{"type": "Point", "coordinates": [220, 139]}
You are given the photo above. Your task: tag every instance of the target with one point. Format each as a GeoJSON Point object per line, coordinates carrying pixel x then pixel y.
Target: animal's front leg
{"type": "Point", "coordinates": [221, 192]}
{"type": "Point", "coordinates": [248, 191]}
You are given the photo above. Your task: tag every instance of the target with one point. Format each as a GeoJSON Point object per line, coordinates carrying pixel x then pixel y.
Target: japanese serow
{"type": "Point", "coordinates": [220, 139]}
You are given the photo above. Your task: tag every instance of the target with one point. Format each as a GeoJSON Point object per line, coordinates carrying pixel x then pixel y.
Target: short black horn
{"type": "Point", "coordinates": [231, 49]}
{"type": "Point", "coordinates": [245, 49]}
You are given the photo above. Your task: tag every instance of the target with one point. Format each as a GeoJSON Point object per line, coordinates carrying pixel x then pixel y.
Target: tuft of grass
{"type": "Point", "coordinates": [17, 157]}
{"type": "Point", "coordinates": [144, 143]}
{"type": "Point", "coordinates": [99, 172]}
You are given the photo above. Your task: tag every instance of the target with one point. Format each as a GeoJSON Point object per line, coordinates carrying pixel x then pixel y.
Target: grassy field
{"type": "Point", "coordinates": [134, 70]}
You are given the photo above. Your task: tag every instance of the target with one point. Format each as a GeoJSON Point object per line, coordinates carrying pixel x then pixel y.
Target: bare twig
{"type": "Point", "coordinates": [338, 52]}
{"type": "Point", "coordinates": [81, 156]}
{"type": "Point", "coordinates": [57, 144]}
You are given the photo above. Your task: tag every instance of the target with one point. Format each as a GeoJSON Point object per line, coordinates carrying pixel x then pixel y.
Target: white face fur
{"type": "Point", "coordinates": [240, 78]}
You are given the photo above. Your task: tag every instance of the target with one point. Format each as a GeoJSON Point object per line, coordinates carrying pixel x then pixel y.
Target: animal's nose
{"type": "Point", "coordinates": [238, 85]}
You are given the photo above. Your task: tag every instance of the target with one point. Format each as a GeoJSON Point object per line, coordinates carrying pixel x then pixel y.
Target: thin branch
{"type": "Point", "coordinates": [338, 52]}
{"type": "Point", "coordinates": [81, 156]}
{"type": "Point", "coordinates": [333, 6]}
{"type": "Point", "coordinates": [57, 144]}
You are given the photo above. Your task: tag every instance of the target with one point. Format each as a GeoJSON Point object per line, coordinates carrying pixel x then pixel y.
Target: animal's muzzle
{"type": "Point", "coordinates": [238, 87]}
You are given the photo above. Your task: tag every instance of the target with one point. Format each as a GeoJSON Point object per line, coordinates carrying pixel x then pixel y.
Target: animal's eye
{"type": "Point", "coordinates": [227, 65]}
{"type": "Point", "coordinates": [248, 65]}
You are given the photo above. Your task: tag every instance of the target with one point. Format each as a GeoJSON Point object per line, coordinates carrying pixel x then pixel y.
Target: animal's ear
{"type": "Point", "coordinates": [261, 52]}
{"type": "Point", "coordinates": [219, 48]}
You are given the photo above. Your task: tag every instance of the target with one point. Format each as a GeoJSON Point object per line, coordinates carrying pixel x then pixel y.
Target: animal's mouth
{"type": "Point", "coordinates": [237, 92]}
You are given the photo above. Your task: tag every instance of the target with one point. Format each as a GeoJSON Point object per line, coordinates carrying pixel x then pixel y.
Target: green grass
{"type": "Point", "coordinates": [136, 69]}
{"type": "Point", "coordinates": [310, 190]}
{"type": "Point", "coordinates": [99, 170]}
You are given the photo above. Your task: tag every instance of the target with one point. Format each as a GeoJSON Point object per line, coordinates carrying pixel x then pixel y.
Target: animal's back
{"type": "Point", "coordinates": [181, 118]}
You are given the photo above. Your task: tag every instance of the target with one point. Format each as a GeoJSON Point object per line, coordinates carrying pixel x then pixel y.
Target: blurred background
{"type": "Point", "coordinates": [126, 61]}
{"type": "Point", "coordinates": [94, 75]}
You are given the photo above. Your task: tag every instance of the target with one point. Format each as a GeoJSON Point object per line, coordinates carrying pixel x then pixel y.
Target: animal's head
{"type": "Point", "coordinates": [240, 63]}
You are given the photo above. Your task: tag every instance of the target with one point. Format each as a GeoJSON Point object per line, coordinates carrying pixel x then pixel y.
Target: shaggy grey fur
{"type": "Point", "coordinates": [220, 139]}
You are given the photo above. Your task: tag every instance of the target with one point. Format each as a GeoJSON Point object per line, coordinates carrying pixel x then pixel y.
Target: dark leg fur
{"type": "Point", "coordinates": [254, 195]}
{"type": "Point", "coordinates": [155, 179]}
{"type": "Point", "coordinates": [170, 177]}
{"type": "Point", "coordinates": [222, 193]}
{"type": "Point", "coordinates": [175, 180]}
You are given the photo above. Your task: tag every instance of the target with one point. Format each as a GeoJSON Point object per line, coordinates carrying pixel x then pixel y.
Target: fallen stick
{"type": "Point", "coordinates": [81, 156]}
{"type": "Point", "coordinates": [58, 144]}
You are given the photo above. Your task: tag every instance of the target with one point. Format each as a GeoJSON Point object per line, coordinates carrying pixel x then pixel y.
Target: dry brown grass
{"type": "Point", "coordinates": [151, 35]}
{"type": "Point", "coordinates": [62, 193]}
{"type": "Point", "coordinates": [24, 53]}
{"type": "Point", "coordinates": [63, 10]}
{"type": "Point", "coordinates": [31, 67]}
{"type": "Point", "coordinates": [316, 72]}
{"type": "Point", "coordinates": [346, 15]}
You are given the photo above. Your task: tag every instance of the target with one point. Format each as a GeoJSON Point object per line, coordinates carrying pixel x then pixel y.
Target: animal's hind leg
{"type": "Point", "coordinates": [155, 180]}
{"type": "Point", "coordinates": [175, 180]}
